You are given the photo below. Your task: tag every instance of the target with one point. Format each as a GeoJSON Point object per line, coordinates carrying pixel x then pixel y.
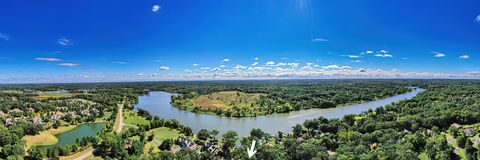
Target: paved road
{"type": "Point", "coordinates": [118, 121]}
{"type": "Point", "coordinates": [86, 155]}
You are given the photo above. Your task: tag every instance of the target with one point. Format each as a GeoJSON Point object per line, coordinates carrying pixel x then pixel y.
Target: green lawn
{"type": "Point", "coordinates": [423, 156]}
{"type": "Point", "coordinates": [164, 133]}
{"type": "Point", "coordinates": [131, 117]}
{"type": "Point", "coordinates": [104, 118]}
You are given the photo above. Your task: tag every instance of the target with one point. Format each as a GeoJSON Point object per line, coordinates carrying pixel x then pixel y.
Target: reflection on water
{"type": "Point", "coordinates": [158, 103]}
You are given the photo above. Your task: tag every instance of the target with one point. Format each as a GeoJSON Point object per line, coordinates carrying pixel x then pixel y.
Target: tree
{"type": "Point", "coordinates": [297, 130]}
{"type": "Point", "coordinates": [203, 134]}
{"type": "Point", "coordinates": [137, 147]}
{"type": "Point", "coordinates": [166, 145]}
{"type": "Point", "coordinates": [16, 150]}
{"type": "Point", "coordinates": [470, 152]}
{"type": "Point", "coordinates": [461, 140]}
{"type": "Point", "coordinates": [163, 155]}
{"type": "Point", "coordinates": [308, 150]}
{"type": "Point", "coordinates": [273, 152]}
{"type": "Point", "coordinates": [36, 153]}
{"type": "Point", "coordinates": [187, 154]}
{"type": "Point", "coordinates": [256, 133]}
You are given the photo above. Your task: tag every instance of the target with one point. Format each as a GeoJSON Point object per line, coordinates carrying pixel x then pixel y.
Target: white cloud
{"type": "Point", "coordinates": [307, 67]}
{"type": "Point", "coordinates": [164, 68]}
{"type": "Point", "coordinates": [367, 52]}
{"type": "Point", "coordinates": [226, 60]}
{"type": "Point", "coordinates": [334, 66]}
{"type": "Point", "coordinates": [477, 19]}
{"type": "Point", "coordinates": [254, 63]}
{"type": "Point", "coordinates": [293, 65]}
{"type": "Point", "coordinates": [270, 63]}
{"type": "Point", "coordinates": [256, 58]}
{"type": "Point", "coordinates": [120, 62]}
{"type": "Point", "coordinates": [383, 51]}
{"type": "Point", "coordinates": [195, 65]}
{"type": "Point", "coordinates": [156, 7]}
{"type": "Point", "coordinates": [464, 56]}
{"type": "Point", "coordinates": [239, 67]}
{"type": "Point", "coordinates": [385, 55]}
{"type": "Point", "coordinates": [48, 59]}
{"type": "Point", "coordinates": [222, 66]}
{"type": "Point", "coordinates": [68, 64]}
{"type": "Point", "coordinates": [140, 74]}
{"type": "Point", "coordinates": [345, 67]}
{"type": "Point", "coordinates": [439, 55]}
{"type": "Point", "coordinates": [281, 64]}
{"type": "Point", "coordinates": [310, 64]}
{"type": "Point", "coordinates": [65, 42]}
{"type": "Point", "coordinates": [320, 40]}
{"type": "Point", "coordinates": [4, 36]}
{"type": "Point", "coordinates": [205, 68]}
{"type": "Point", "coordinates": [216, 69]}
{"type": "Point", "coordinates": [353, 56]}
{"type": "Point", "coordinates": [357, 61]}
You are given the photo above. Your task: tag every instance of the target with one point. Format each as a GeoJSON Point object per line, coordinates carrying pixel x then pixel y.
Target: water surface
{"type": "Point", "coordinates": [158, 103]}
{"type": "Point", "coordinates": [81, 131]}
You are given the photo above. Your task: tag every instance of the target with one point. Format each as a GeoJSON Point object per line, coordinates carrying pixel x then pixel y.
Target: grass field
{"type": "Point", "coordinates": [164, 133]}
{"type": "Point", "coordinates": [53, 95]}
{"type": "Point", "coordinates": [151, 146]}
{"type": "Point", "coordinates": [104, 118]}
{"type": "Point", "coordinates": [226, 99]}
{"type": "Point", "coordinates": [131, 117]}
{"type": "Point", "coordinates": [46, 137]}
{"type": "Point", "coordinates": [160, 134]}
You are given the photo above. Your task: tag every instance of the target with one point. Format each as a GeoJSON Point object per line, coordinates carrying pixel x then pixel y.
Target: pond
{"type": "Point", "coordinates": [158, 103]}
{"type": "Point", "coordinates": [81, 131]}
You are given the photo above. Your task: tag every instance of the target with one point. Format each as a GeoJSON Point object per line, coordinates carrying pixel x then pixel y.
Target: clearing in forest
{"type": "Point", "coordinates": [226, 99]}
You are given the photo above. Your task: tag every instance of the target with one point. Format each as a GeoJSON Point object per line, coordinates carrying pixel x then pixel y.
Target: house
{"type": "Point", "coordinates": [210, 147]}
{"type": "Point", "coordinates": [456, 125]}
{"type": "Point", "coordinates": [8, 121]}
{"type": "Point", "coordinates": [56, 116]}
{"type": "Point", "coordinates": [37, 120]}
{"type": "Point", "coordinates": [85, 112]}
{"type": "Point", "coordinates": [16, 110]}
{"type": "Point", "coordinates": [470, 132]}
{"type": "Point", "coordinates": [185, 142]}
{"type": "Point", "coordinates": [477, 141]}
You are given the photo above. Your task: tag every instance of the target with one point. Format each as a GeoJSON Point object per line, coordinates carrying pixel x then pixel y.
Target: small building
{"type": "Point", "coordinates": [37, 120]}
{"type": "Point", "coordinates": [470, 132]}
{"type": "Point", "coordinates": [8, 121]}
{"type": "Point", "coordinates": [16, 110]}
{"type": "Point", "coordinates": [456, 125]}
{"type": "Point", "coordinates": [477, 141]}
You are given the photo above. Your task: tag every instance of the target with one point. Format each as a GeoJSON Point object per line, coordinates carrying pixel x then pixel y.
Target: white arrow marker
{"type": "Point", "coordinates": [252, 150]}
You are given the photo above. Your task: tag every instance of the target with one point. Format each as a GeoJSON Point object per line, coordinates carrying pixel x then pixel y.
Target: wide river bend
{"type": "Point", "coordinates": [158, 103]}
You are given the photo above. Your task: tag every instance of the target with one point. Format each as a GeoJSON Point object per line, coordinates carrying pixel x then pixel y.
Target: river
{"type": "Point", "coordinates": [158, 103]}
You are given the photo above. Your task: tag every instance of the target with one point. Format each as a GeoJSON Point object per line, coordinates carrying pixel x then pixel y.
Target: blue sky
{"type": "Point", "coordinates": [120, 40]}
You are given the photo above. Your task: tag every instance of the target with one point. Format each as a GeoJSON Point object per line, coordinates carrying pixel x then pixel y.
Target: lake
{"type": "Point", "coordinates": [158, 103]}
{"type": "Point", "coordinates": [81, 131]}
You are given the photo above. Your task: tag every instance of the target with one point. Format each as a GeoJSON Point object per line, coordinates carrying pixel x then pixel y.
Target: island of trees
{"type": "Point", "coordinates": [242, 99]}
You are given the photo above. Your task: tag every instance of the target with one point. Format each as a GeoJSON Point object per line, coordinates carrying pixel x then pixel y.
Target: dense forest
{"type": "Point", "coordinates": [440, 123]}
